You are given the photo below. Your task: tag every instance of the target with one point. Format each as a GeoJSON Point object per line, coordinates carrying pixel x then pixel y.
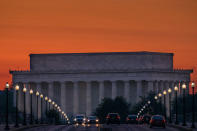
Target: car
{"type": "Point", "coordinates": [92, 120]}
{"type": "Point", "coordinates": [113, 118]}
{"type": "Point", "coordinates": [131, 119]}
{"type": "Point", "coordinates": [79, 119]}
{"type": "Point", "coordinates": [157, 121]}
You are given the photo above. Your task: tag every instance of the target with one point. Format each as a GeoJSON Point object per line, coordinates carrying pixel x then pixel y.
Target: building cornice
{"type": "Point", "coordinates": [106, 53]}
{"type": "Point", "coordinates": [101, 71]}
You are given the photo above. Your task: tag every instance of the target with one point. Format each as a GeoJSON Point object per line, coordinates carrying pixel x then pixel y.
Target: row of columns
{"type": "Point", "coordinates": [142, 88]}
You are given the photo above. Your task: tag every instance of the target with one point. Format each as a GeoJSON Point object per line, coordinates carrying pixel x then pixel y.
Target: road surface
{"type": "Point", "coordinates": [122, 127]}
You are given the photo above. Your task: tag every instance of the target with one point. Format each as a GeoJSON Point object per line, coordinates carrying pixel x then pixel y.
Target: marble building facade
{"type": "Point", "coordinates": [79, 81]}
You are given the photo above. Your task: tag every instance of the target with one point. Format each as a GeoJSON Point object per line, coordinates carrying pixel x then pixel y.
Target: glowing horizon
{"type": "Point", "coordinates": [61, 26]}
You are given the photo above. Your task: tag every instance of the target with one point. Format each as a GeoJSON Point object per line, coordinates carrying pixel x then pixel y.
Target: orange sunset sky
{"type": "Point", "coordinates": [58, 26]}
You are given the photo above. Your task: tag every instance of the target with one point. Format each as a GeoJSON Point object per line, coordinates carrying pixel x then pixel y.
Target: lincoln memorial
{"type": "Point", "coordinates": [79, 81]}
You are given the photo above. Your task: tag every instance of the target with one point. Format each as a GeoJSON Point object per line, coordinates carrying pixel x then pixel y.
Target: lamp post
{"type": "Point", "coordinates": [62, 116]}
{"type": "Point", "coordinates": [37, 95]}
{"type": "Point", "coordinates": [160, 95]}
{"type": "Point", "coordinates": [7, 87]}
{"type": "Point", "coordinates": [53, 104]}
{"type": "Point", "coordinates": [41, 96]}
{"type": "Point", "coordinates": [156, 102]}
{"type": "Point", "coordinates": [55, 110]}
{"type": "Point", "coordinates": [164, 109]}
{"type": "Point", "coordinates": [49, 103]}
{"type": "Point", "coordinates": [176, 106]}
{"type": "Point", "coordinates": [46, 99]}
{"type": "Point", "coordinates": [193, 105]}
{"type": "Point", "coordinates": [31, 119]}
{"type": "Point", "coordinates": [17, 89]}
{"type": "Point", "coordinates": [184, 111]}
{"type": "Point", "coordinates": [169, 92]}
{"type": "Point", "coordinates": [24, 113]}
{"type": "Point", "coordinates": [149, 110]}
{"type": "Point", "coordinates": [156, 97]}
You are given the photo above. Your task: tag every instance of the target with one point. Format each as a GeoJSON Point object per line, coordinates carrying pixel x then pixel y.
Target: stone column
{"type": "Point", "coordinates": [167, 98]}
{"type": "Point", "coordinates": [27, 96]}
{"type": "Point", "coordinates": [14, 95]}
{"type": "Point", "coordinates": [156, 87]}
{"type": "Point", "coordinates": [187, 89]}
{"type": "Point", "coordinates": [114, 90]}
{"type": "Point", "coordinates": [101, 91]}
{"type": "Point", "coordinates": [88, 99]}
{"type": "Point", "coordinates": [50, 92]}
{"type": "Point", "coordinates": [126, 90]}
{"type": "Point", "coordinates": [63, 95]}
{"type": "Point", "coordinates": [180, 88]}
{"type": "Point", "coordinates": [139, 90]}
{"type": "Point", "coordinates": [75, 99]}
{"type": "Point", "coordinates": [150, 86]}
{"type": "Point", "coordinates": [161, 86]}
{"type": "Point", "coordinates": [173, 92]}
{"type": "Point", "coordinates": [38, 86]}
{"type": "Point", "coordinates": [20, 97]}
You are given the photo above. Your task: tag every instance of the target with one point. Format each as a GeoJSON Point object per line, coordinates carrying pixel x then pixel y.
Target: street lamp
{"type": "Point", "coordinates": [17, 89]}
{"type": "Point", "coordinates": [193, 105]}
{"type": "Point", "coordinates": [31, 93]}
{"type": "Point", "coordinates": [53, 104]}
{"type": "Point", "coordinates": [37, 95]}
{"type": "Point", "coordinates": [156, 97]}
{"type": "Point", "coordinates": [169, 92]}
{"type": "Point", "coordinates": [184, 111]}
{"type": "Point", "coordinates": [7, 87]}
{"type": "Point", "coordinates": [24, 113]}
{"type": "Point", "coordinates": [41, 96]}
{"type": "Point", "coordinates": [164, 95]}
{"type": "Point", "coordinates": [160, 95]}
{"type": "Point", "coordinates": [176, 106]}
{"type": "Point", "coordinates": [149, 109]}
{"type": "Point", "coordinates": [49, 103]}
{"type": "Point", "coordinates": [46, 99]}
{"type": "Point", "coordinates": [156, 101]}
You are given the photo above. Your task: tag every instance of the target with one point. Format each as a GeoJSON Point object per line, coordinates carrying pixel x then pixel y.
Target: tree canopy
{"type": "Point", "coordinates": [108, 105]}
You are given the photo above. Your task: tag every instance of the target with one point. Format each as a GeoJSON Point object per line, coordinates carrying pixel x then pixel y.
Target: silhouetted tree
{"type": "Point", "coordinates": [153, 108]}
{"type": "Point", "coordinates": [118, 105]}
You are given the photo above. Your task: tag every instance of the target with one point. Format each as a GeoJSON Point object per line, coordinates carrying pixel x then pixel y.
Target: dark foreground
{"type": "Point", "coordinates": [122, 127]}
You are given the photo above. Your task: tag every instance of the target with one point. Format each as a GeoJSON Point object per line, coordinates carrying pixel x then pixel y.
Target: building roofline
{"type": "Point", "coordinates": [102, 71]}
{"type": "Point", "coordinates": [108, 53]}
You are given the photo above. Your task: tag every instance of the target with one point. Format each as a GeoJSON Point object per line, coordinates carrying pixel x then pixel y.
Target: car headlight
{"type": "Point", "coordinates": [88, 120]}
{"type": "Point", "coordinates": [97, 120]}
{"type": "Point", "coordinates": [84, 119]}
{"type": "Point", "coordinates": [75, 119]}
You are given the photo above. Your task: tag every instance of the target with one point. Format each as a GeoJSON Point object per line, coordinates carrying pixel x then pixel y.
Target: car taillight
{"type": "Point", "coordinates": [163, 121]}
{"type": "Point", "coordinates": [118, 117]}
{"type": "Point", "coordinates": [107, 117]}
{"type": "Point", "coordinates": [127, 119]}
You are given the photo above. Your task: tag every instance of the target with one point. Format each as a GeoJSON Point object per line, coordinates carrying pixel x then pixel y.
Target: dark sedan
{"type": "Point", "coordinates": [131, 119]}
{"type": "Point", "coordinates": [157, 121]}
{"type": "Point", "coordinates": [113, 118]}
{"type": "Point", "coordinates": [92, 120]}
